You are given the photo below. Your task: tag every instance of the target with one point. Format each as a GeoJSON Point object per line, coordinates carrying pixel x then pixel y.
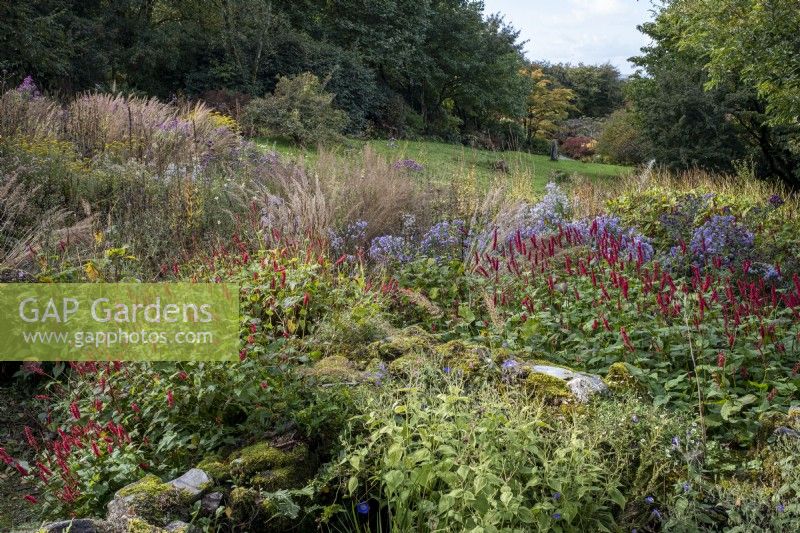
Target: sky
{"type": "Point", "coordinates": [574, 31]}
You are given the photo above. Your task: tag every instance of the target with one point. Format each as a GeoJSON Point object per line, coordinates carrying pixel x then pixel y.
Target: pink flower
{"type": "Point", "coordinates": [170, 399]}
{"type": "Point", "coordinates": [31, 498]}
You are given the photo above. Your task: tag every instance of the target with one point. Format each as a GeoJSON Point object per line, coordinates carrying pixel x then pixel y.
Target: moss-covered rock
{"type": "Point", "coordinates": [149, 500]}
{"type": "Point", "coordinates": [137, 525]}
{"type": "Point", "coordinates": [551, 389]}
{"type": "Point", "coordinates": [410, 340]}
{"type": "Point", "coordinates": [467, 358]}
{"type": "Point", "coordinates": [407, 365]}
{"type": "Point", "coordinates": [215, 468]}
{"type": "Point", "coordinates": [269, 468]}
{"type": "Point", "coordinates": [263, 456]}
{"type": "Point", "coordinates": [620, 379]}
{"type": "Point", "coordinates": [334, 369]}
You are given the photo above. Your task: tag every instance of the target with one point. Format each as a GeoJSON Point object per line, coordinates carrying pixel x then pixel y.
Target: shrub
{"type": "Point", "coordinates": [622, 139]}
{"type": "Point", "coordinates": [579, 147]}
{"type": "Point", "coordinates": [299, 109]}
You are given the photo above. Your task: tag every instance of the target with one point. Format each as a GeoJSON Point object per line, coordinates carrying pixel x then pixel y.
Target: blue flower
{"type": "Point", "coordinates": [650, 500]}
{"type": "Point", "coordinates": [780, 508]}
{"type": "Point", "coordinates": [721, 236]}
{"type": "Point", "coordinates": [686, 487]}
{"type": "Point", "coordinates": [656, 514]}
{"type": "Point", "coordinates": [510, 364]}
{"type": "Point", "coordinates": [446, 370]}
{"type": "Point", "coordinates": [390, 248]}
{"type": "Point", "coordinates": [362, 508]}
{"type": "Point", "coordinates": [776, 201]}
{"type": "Point", "coordinates": [556, 516]}
{"type": "Point", "coordinates": [556, 496]}
{"type": "Point", "coordinates": [676, 442]}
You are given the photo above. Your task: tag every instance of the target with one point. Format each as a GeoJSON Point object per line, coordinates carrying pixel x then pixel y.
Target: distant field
{"type": "Point", "coordinates": [447, 162]}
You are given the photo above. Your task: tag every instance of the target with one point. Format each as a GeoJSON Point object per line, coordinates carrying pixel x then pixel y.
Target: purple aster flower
{"type": "Point", "coordinates": [649, 500]}
{"type": "Point", "coordinates": [556, 496]}
{"type": "Point", "coordinates": [556, 516]}
{"type": "Point", "coordinates": [389, 248]}
{"type": "Point", "coordinates": [721, 236]}
{"type": "Point", "coordinates": [776, 201]}
{"type": "Point", "coordinates": [362, 508]}
{"type": "Point", "coordinates": [686, 487]}
{"type": "Point", "coordinates": [409, 164]}
{"type": "Point", "coordinates": [676, 442]}
{"type": "Point", "coordinates": [780, 508]}
{"type": "Point", "coordinates": [446, 370]}
{"type": "Point", "coordinates": [656, 514]}
{"type": "Point", "coordinates": [29, 88]}
{"type": "Point", "coordinates": [510, 364]}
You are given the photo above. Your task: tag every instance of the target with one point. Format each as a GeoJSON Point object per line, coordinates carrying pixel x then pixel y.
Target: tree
{"type": "Point", "coordinates": [623, 140]}
{"type": "Point", "coordinates": [691, 122]}
{"type": "Point", "coordinates": [758, 39]}
{"type": "Point", "coordinates": [598, 88]}
{"type": "Point", "coordinates": [299, 110]}
{"type": "Point", "coordinates": [548, 105]}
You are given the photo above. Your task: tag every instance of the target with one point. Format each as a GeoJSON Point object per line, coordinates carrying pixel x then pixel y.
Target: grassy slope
{"type": "Point", "coordinates": [447, 162]}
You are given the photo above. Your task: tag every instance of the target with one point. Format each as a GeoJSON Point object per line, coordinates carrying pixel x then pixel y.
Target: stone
{"type": "Point", "coordinates": [149, 500]}
{"type": "Point", "coordinates": [193, 483]}
{"type": "Point", "coordinates": [582, 386]}
{"type": "Point", "coordinates": [78, 525]}
{"type": "Point", "coordinates": [177, 526]}
{"type": "Point", "coordinates": [211, 502]}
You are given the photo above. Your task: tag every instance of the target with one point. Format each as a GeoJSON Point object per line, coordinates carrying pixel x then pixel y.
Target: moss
{"type": "Point", "coordinates": [406, 365]}
{"type": "Point", "coordinates": [467, 358]}
{"type": "Point", "coordinates": [334, 369]}
{"type": "Point", "coordinates": [409, 340]}
{"type": "Point", "coordinates": [263, 456]}
{"type": "Point", "coordinates": [153, 500]}
{"type": "Point", "coordinates": [214, 467]}
{"type": "Point", "coordinates": [619, 378]}
{"type": "Point", "coordinates": [552, 389]}
{"type": "Point", "coordinates": [279, 478]}
{"type": "Point", "coordinates": [149, 485]}
{"type": "Point", "coordinates": [137, 525]}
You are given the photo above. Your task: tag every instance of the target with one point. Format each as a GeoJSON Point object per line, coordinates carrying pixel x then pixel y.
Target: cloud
{"type": "Point", "coordinates": [588, 31]}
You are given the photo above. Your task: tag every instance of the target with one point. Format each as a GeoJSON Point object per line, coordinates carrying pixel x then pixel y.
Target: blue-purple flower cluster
{"type": "Point", "coordinates": [443, 238]}
{"type": "Point", "coordinates": [721, 236]}
{"type": "Point", "coordinates": [349, 239]}
{"type": "Point", "coordinates": [681, 220]}
{"type": "Point", "coordinates": [546, 215]}
{"type": "Point", "coordinates": [409, 164]}
{"type": "Point", "coordinates": [28, 88]}
{"type": "Point", "coordinates": [391, 248]}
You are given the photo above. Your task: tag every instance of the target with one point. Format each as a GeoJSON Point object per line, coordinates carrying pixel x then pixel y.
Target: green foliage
{"type": "Point", "coordinates": [598, 89]}
{"type": "Point", "coordinates": [755, 38]}
{"type": "Point", "coordinates": [696, 118]}
{"type": "Point", "coordinates": [622, 140]}
{"type": "Point", "coordinates": [299, 109]}
{"type": "Point", "coordinates": [438, 455]}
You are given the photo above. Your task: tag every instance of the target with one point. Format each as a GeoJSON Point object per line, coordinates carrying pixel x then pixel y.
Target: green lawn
{"type": "Point", "coordinates": [447, 162]}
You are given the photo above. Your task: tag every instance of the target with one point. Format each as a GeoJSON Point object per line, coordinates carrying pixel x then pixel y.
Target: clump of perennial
{"type": "Point", "coordinates": [723, 237]}
{"type": "Point", "coordinates": [409, 164]}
